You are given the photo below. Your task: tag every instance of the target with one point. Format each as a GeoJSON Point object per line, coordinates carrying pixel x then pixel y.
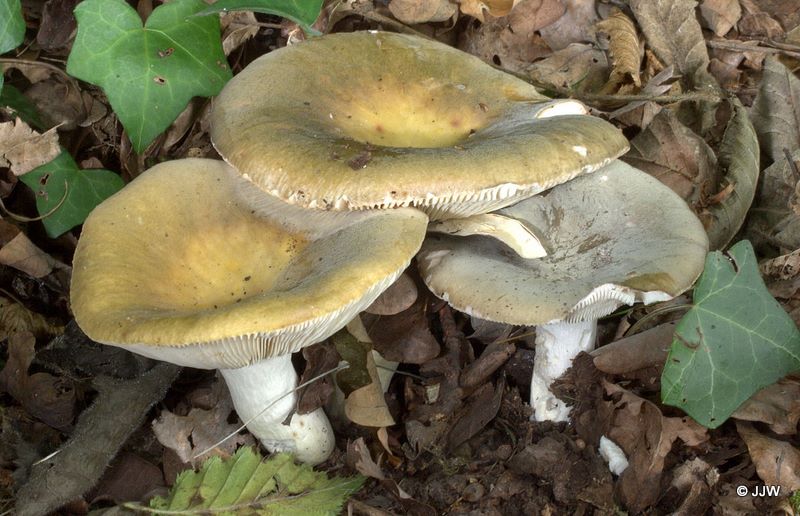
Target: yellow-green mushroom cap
{"type": "Point", "coordinates": [188, 265]}
{"type": "Point", "coordinates": [380, 120]}
{"type": "Point", "coordinates": [613, 237]}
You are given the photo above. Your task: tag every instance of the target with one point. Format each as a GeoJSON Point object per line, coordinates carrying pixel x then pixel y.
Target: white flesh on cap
{"type": "Point", "coordinates": [556, 345]}
{"type": "Point", "coordinates": [263, 396]}
{"type": "Point", "coordinates": [512, 232]}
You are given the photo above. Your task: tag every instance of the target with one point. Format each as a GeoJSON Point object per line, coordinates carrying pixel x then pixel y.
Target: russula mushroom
{"type": "Point", "coordinates": [380, 120]}
{"type": "Point", "coordinates": [178, 267]}
{"type": "Point", "coordinates": [613, 238]}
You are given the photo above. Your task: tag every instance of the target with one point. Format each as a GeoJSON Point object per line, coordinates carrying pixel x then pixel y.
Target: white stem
{"type": "Point", "coordinates": [309, 437]}
{"type": "Point", "coordinates": [556, 345]}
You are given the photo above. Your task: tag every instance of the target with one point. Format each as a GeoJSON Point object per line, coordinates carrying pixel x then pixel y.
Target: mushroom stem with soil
{"type": "Point", "coordinates": [263, 395]}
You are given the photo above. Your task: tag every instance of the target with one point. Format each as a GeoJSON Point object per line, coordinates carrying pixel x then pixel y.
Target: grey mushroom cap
{"type": "Point", "coordinates": [613, 237]}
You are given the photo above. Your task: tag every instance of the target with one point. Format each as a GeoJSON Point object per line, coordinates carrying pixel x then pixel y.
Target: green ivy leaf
{"type": "Point", "coordinates": [244, 484]}
{"type": "Point", "coordinates": [735, 340]}
{"type": "Point", "coordinates": [148, 73]}
{"type": "Point", "coordinates": [12, 26]}
{"type": "Point", "coordinates": [302, 12]}
{"type": "Point", "coordinates": [21, 106]}
{"type": "Point", "coordinates": [85, 189]}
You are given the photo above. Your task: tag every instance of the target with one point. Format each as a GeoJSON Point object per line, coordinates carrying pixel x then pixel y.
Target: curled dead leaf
{"type": "Point", "coordinates": [22, 254]}
{"type": "Point", "coordinates": [623, 46]}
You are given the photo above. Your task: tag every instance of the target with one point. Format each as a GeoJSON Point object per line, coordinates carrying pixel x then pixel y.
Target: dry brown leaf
{"type": "Point", "coordinates": [424, 11]}
{"type": "Point", "coordinates": [59, 103]}
{"type": "Point", "coordinates": [57, 25]}
{"type": "Point", "coordinates": [320, 359]}
{"type": "Point", "coordinates": [403, 337]}
{"type": "Point", "coordinates": [476, 8]}
{"type": "Point", "coordinates": [782, 267]}
{"type": "Point", "coordinates": [201, 429]}
{"type": "Point", "coordinates": [646, 436]}
{"type": "Point", "coordinates": [398, 297]}
{"type": "Point", "coordinates": [23, 255]}
{"type": "Point", "coordinates": [776, 111]}
{"type": "Point", "coordinates": [623, 46]}
{"type": "Point", "coordinates": [787, 13]}
{"type": "Point", "coordinates": [676, 156]}
{"type": "Point", "coordinates": [358, 457]}
{"type": "Point", "coordinates": [772, 219]}
{"type": "Point", "coordinates": [22, 149]}
{"type": "Point", "coordinates": [777, 405]}
{"type": "Point", "coordinates": [366, 405]}
{"type": "Point", "coordinates": [237, 27]}
{"type": "Point", "coordinates": [694, 479]}
{"type": "Point", "coordinates": [757, 23]}
{"type": "Point", "coordinates": [478, 411]}
{"type": "Point", "coordinates": [578, 67]}
{"type": "Point", "coordinates": [573, 26]}
{"type": "Point", "coordinates": [46, 397]}
{"type": "Point", "coordinates": [674, 34]}
{"type": "Point", "coordinates": [512, 42]}
{"type": "Point", "coordinates": [720, 15]}
{"type": "Point", "coordinates": [777, 462]}
{"type": "Point", "coordinates": [15, 318]}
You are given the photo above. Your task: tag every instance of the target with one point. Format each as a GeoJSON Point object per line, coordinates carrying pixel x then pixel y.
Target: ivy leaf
{"type": "Point", "coordinates": [149, 73]}
{"type": "Point", "coordinates": [12, 26]}
{"type": "Point", "coordinates": [735, 340]}
{"type": "Point", "coordinates": [19, 105]}
{"type": "Point", "coordinates": [85, 189]}
{"type": "Point", "coordinates": [244, 484]}
{"type": "Point", "coordinates": [302, 12]}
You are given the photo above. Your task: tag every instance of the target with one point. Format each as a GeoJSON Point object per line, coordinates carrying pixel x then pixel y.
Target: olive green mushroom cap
{"type": "Point", "coordinates": [613, 237]}
{"type": "Point", "coordinates": [178, 266]}
{"type": "Point", "coordinates": [380, 120]}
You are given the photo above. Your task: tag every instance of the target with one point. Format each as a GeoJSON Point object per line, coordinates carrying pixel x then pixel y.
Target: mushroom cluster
{"type": "Point", "coordinates": [339, 150]}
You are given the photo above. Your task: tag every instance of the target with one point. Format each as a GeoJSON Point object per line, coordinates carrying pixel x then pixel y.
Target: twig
{"type": "Point", "coordinates": [22, 218]}
{"type": "Point", "coordinates": [742, 46]}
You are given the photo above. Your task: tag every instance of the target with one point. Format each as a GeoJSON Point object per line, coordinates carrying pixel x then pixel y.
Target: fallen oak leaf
{"type": "Point", "coordinates": [201, 430]}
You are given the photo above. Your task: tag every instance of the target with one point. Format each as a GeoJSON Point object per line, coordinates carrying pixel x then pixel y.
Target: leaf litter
{"type": "Point", "coordinates": [462, 441]}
